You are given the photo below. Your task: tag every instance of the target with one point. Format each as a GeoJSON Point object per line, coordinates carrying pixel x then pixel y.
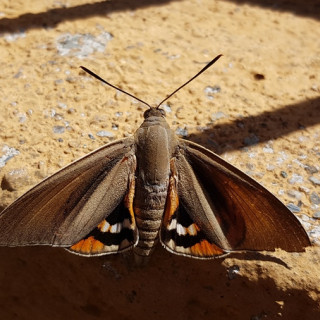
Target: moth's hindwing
{"type": "Point", "coordinates": [179, 233]}
{"type": "Point", "coordinates": [116, 233]}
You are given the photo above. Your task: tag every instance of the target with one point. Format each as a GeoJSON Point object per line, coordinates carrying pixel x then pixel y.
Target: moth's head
{"type": "Point", "coordinates": [154, 112]}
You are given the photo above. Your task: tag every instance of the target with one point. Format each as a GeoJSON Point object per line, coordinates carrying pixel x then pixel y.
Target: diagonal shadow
{"type": "Point", "coordinates": [53, 17]}
{"type": "Point", "coordinates": [256, 255]}
{"type": "Point", "coordinates": [307, 8]}
{"type": "Point", "coordinates": [265, 126]}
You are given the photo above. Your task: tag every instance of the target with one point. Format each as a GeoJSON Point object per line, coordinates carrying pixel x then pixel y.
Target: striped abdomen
{"type": "Point", "coordinates": [149, 206]}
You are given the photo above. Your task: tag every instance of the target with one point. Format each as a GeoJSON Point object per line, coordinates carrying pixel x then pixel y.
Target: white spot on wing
{"type": "Point", "coordinates": [181, 230]}
{"type": "Point", "coordinates": [105, 226]}
{"type": "Point", "coordinates": [116, 228]}
{"type": "Point", "coordinates": [172, 245]}
{"type": "Point", "coordinates": [172, 225]}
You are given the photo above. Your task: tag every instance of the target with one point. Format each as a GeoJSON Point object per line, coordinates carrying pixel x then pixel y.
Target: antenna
{"type": "Point", "coordinates": [170, 95]}
{"type": "Point", "coordinates": [198, 74]}
{"type": "Point", "coordinates": [111, 85]}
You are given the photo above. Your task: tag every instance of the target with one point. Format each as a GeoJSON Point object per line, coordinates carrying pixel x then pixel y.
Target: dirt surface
{"type": "Point", "coordinates": [258, 107]}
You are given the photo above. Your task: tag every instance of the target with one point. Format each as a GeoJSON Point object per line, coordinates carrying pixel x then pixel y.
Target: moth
{"type": "Point", "coordinates": [134, 191]}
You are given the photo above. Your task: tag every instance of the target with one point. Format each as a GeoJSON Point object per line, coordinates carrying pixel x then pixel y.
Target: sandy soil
{"type": "Point", "coordinates": [258, 107]}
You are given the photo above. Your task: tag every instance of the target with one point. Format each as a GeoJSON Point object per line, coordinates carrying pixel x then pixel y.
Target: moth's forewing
{"type": "Point", "coordinates": [233, 210]}
{"type": "Point", "coordinates": [65, 207]}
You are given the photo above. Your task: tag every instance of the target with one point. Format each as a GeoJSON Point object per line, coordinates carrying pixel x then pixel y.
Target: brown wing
{"type": "Point", "coordinates": [230, 208]}
{"type": "Point", "coordinates": [67, 206]}
{"type": "Point", "coordinates": [179, 234]}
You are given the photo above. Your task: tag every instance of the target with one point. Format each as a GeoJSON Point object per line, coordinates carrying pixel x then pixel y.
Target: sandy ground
{"type": "Point", "coordinates": [258, 107]}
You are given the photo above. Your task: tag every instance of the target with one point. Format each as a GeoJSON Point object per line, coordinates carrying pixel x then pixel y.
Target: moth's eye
{"type": "Point", "coordinates": [146, 114]}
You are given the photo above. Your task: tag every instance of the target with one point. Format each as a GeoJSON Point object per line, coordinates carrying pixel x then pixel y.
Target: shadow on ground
{"type": "Point", "coordinates": [265, 126]}
{"type": "Point", "coordinates": [52, 17]}
{"type": "Point", "coordinates": [43, 282]}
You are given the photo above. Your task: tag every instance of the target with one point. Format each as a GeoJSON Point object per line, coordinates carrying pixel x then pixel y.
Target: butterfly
{"type": "Point", "coordinates": [152, 186]}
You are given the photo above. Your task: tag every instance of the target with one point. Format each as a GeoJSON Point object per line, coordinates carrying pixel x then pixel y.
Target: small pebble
{"type": "Point", "coordinates": [293, 208]}
{"type": "Point", "coordinates": [104, 133]}
{"type": "Point", "coordinates": [71, 79]}
{"type": "Point", "coordinates": [270, 167]}
{"type": "Point", "coordinates": [316, 215]}
{"type": "Point", "coordinates": [311, 169]}
{"type": "Point", "coordinates": [58, 116]}
{"type": "Point", "coordinates": [217, 115]}
{"type": "Point", "coordinates": [62, 105]}
{"type": "Point", "coordinates": [295, 194]}
{"type": "Point", "coordinates": [304, 189]}
{"type": "Point", "coordinates": [15, 179]}
{"type": "Point", "coordinates": [182, 132]}
{"type": "Point", "coordinates": [22, 117]}
{"type": "Point", "coordinates": [314, 234]}
{"type": "Point", "coordinates": [18, 75]}
{"type": "Point", "coordinates": [314, 198]}
{"type": "Point", "coordinates": [8, 153]}
{"type": "Point", "coordinates": [115, 126]}
{"type": "Point", "coordinates": [82, 45]}
{"type": "Point", "coordinates": [233, 271]}
{"type": "Point", "coordinates": [267, 150]}
{"type": "Point", "coordinates": [282, 157]}
{"type": "Point", "coordinates": [71, 110]}
{"type": "Point", "coordinates": [59, 129]}
{"type": "Point", "coordinates": [15, 35]}
{"type": "Point", "coordinates": [315, 180]}
{"type": "Point", "coordinates": [295, 179]}
{"type": "Point", "coordinates": [74, 143]}
{"type": "Point", "coordinates": [250, 166]}
{"type": "Point", "coordinates": [49, 113]}
{"type": "Point", "coordinates": [59, 81]}
{"type": "Point", "coordinates": [283, 174]}
{"type": "Point", "coordinates": [211, 91]}
{"type": "Point", "coordinates": [174, 56]}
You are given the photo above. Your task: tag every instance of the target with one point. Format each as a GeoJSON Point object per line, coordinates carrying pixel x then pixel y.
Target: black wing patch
{"type": "Point", "coordinates": [117, 232]}
{"type": "Point", "coordinates": [114, 234]}
{"type": "Point", "coordinates": [182, 236]}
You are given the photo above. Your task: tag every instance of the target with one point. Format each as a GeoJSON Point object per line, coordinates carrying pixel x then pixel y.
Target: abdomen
{"type": "Point", "coordinates": [149, 207]}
